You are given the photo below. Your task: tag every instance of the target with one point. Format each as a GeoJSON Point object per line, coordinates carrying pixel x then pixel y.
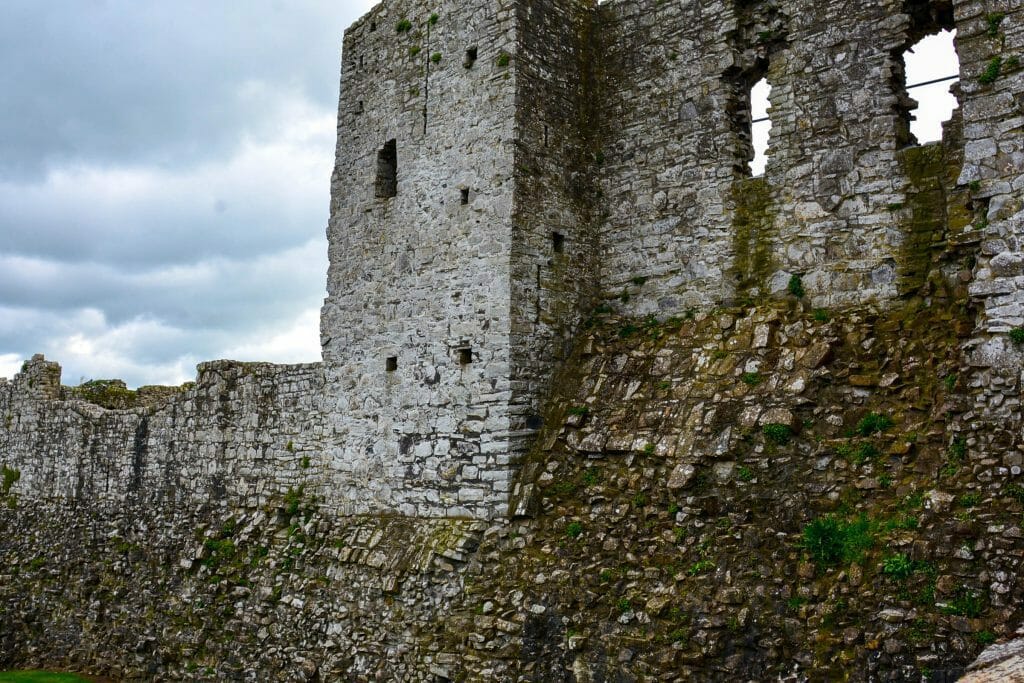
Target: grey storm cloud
{"type": "Point", "coordinates": [164, 181]}
{"type": "Point", "coordinates": [157, 83]}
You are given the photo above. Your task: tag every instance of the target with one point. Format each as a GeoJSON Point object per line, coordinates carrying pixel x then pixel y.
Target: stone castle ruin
{"type": "Point", "coordinates": [506, 173]}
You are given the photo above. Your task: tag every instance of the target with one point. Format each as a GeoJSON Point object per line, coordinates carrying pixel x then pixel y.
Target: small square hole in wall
{"type": "Point", "coordinates": [373, 25]}
{"type": "Point", "coordinates": [391, 364]}
{"type": "Point", "coordinates": [387, 171]}
{"type": "Point", "coordinates": [464, 196]}
{"type": "Point", "coordinates": [470, 60]}
{"type": "Point", "coordinates": [465, 356]}
{"type": "Point", "coordinates": [558, 242]}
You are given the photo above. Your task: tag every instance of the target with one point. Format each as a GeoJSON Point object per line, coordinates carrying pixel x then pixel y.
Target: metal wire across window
{"type": "Point", "coordinates": [909, 87]}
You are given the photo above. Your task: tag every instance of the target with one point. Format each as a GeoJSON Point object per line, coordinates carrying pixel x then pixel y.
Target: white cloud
{"type": "Point", "coordinates": [289, 342]}
{"type": "Point", "coordinates": [10, 364]}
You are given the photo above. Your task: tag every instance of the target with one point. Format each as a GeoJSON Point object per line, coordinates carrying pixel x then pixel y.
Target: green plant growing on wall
{"type": "Point", "coordinates": [1014, 492]}
{"type": "Point", "coordinates": [992, 71]}
{"type": "Point", "coordinates": [403, 26]}
{"type": "Point", "coordinates": [796, 287]}
{"type": "Point", "coordinates": [897, 567]}
{"type": "Point", "coordinates": [751, 379]}
{"type": "Point", "coordinates": [574, 529]}
{"type": "Point", "coordinates": [831, 540]}
{"type": "Point", "coordinates": [859, 454]}
{"type": "Point", "coordinates": [414, 50]}
{"type": "Point", "coordinates": [1017, 335]}
{"type": "Point", "coordinates": [778, 434]}
{"type": "Point", "coordinates": [504, 59]}
{"type": "Point", "coordinates": [994, 21]}
{"type": "Point", "coordinates": [11, 476]}
{"type": "Point", "coordinates": [969, 500]}
{"type": "Point", "coordinates": [700, 567]}
{"type": "Point", "coordinates": [436, 57]}
{"type": "Point", "coordinates": [966, 603]}
{"type": "Point", "coordinates": [874, 423]}
{"type": "Point", "coordinates": [984, 637]}
{"type": "Point", "coordinates": [433, 19]}
{"type": "Point", "coordinates": [955, 455]}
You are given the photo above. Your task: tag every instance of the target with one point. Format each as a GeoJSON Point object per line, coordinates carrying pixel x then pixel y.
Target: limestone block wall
{"type": "Point", "coordinates": [423, 277]}
{"type": "Point", "coordinates": [991, 48]}
{"type": "Point", "coordinates": [241, 434]}
{"type": "Point", "coordinates": [554, 246]}
{"type": "Point", "coordinates": [687, 227]}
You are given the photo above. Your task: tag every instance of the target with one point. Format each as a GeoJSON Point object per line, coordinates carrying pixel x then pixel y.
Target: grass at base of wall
{"type": "Point", "coordinates": [40, 677]}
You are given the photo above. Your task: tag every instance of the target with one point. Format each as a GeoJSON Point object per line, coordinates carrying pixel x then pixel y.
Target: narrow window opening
{"type": "Point", "coordinates": [760, 126]}
{"type": "Point", "coordinates": [464, 196]}
{"type": "Point", "coordinates": [545, 136]}
{"type": "Point", "coordinates": [391, 364]}
{"type": "Point", "coordinates": [360, 61]}
{"type": "Point", "coordinates": [747, 108]}
{"type": "Point", "coordinates": [465, 356]}
{"type": "Point", "coordinates": [359, 107]}
{"type": "Point", "coordinates": [557, 242]}
{"type": "Point", "coordinates": [373, 25]}
{"type": "Point", "coordinates": [931, 71]}
{"type": "Point", "coordinates": [387, 170]}
{"type": "Point", "coordinates": [471, 55]}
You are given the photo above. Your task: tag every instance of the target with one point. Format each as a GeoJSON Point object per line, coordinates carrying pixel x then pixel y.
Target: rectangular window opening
{"type": "Point", "coordinates": [464, 196]}
{"type": "Point", "coordinates": [760, 127]}
{"type": "Point", "coordinates": [545, 136]}
{"type": "Point", "coordinates": [558, 242]}
{"type": "Point", "coordinates": [465, 356]}
{"type": "Point", "coordinates": [927, 101]}
{"type": "Point", "coordinates": [387, 171]}
{"type": "Point", "coordinates": [471, 54]}
{"type": "Point", "coordinates": [391, 364]}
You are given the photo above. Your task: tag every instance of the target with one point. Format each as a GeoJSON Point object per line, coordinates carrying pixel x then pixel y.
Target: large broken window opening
{"type": "Point", "coordinates": [387, 171]}
{"type": "Point", "coordinates": [932, 68]}
{"type": "Point", "coordinates": [926, 71]}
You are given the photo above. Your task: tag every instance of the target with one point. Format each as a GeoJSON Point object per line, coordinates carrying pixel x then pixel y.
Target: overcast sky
{"type": "Point", "coordinates": [164, 181]}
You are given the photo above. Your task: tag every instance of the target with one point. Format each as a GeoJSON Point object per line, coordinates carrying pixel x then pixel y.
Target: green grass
{"type": "Point", "coordinates": [39, 677]}
{"type": "Point", "coordinates": [874, 423]}
{"type": "Point", "coordinates": [831, 540]}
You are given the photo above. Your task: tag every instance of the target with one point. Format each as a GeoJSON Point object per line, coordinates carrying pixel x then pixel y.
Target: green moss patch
{"type": "Point", "coordinates": [40, 677]}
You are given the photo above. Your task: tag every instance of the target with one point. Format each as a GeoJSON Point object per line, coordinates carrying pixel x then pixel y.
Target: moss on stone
{"type": "Point", "coordinates": [753, 228]}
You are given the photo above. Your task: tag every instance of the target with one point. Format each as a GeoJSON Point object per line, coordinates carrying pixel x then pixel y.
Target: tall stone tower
{"type": "Point", "coordinates": [459, 259]}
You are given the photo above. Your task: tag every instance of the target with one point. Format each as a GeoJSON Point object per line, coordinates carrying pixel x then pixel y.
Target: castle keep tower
{"type": "Point", "coordinates": [459, 259]}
